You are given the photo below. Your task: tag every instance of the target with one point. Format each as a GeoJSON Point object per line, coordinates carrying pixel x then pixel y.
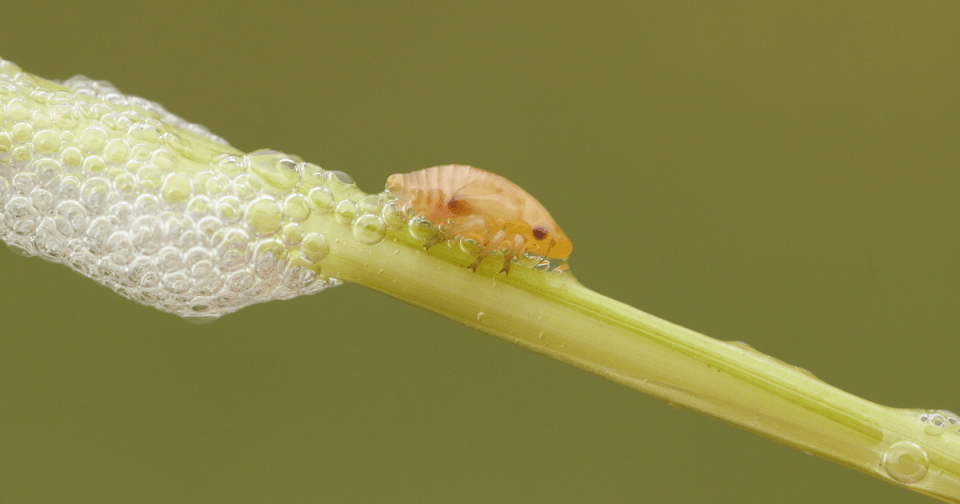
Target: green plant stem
{"type": "Point", "coordinates": [555, 315]}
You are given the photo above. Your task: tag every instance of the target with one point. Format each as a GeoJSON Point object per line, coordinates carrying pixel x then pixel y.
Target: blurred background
{"type": "Point", "coordinates": [784, 174]}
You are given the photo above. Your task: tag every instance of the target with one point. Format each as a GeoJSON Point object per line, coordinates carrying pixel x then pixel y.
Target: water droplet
{"type": "Point", "coordinates": [480, 315]}
{"type": "Point", "coordinates": [540, 336]}
{"type": "Point", "coordinates": [230, 165]}
{"type": "Point", "coordinates": [905, 462]}
{"type": "Point", "coordinates": [341, 177]}
{"type": "Point", "coordinates": [369, 229]}
{"type": "Point", "coordinates": [371, 204]}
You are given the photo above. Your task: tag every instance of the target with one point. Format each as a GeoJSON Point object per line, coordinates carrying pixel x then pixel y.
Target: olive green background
{"type": "Point", "coordinates": [782, 173]}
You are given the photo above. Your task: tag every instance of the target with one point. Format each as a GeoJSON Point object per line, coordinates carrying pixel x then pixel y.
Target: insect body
{"type": "Point", "coordinates": [473, 204]}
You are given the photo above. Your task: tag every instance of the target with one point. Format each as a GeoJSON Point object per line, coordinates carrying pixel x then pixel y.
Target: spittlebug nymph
{"type": "Point", "coordinates": [469, 203]}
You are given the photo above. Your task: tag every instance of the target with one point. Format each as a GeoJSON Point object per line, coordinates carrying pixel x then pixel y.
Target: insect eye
{"type": "Point", "coordinates": [540, 232]}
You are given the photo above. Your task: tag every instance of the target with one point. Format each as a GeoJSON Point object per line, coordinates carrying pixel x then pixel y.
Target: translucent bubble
{"type": "Point", "coordinates": [200, 205]}
{"type": "Point", "coordinates": [234, 250]}
{"type": "Point", "coordinates": [94, 194]}
{"type": "Point", "coordinates": [905, 462]}
{"type": "Point", "coordinates": [322, 198]}
{"type": "Point", "coordinates": [71, 219]}
{"type": "Point", "coordinates": [6, 143]}
{"type": "Point", "coordinates": [98, 233]}
{"type": "Point", "coordinates": [49, 242]}
{"type": "Point", "coordinates": [22, 132]}
{"type": "Point", "coordinates": [46, 142]}
{"type": "Point", "coordinates": [18, 110]}
{"type": "Point", "coordinates": [147, 234]}
{"type": "Point", "coordinates": [21, 154]}
{"type": "Point", "coordinates": [20, 216]}
{"type": "Point", "coordinates": [198, 262]}
{"type": "Point", "coordinates": [117, 151]}
{"type": "Point", "coordinates": [264, 216]}
{"type": "Point", "coordinates": [369, 229]}
{"type": "Point", "coordinates": [42, 200]}
{"type": "Point", "coordinates": [92, 139]}
{"type": "Point", "coordinates": [292, 233]}
{"type": "Point", "coordinates": [392, 216]}
{"type": "Point", "coordinates": [229, 208]}
{"type": "Point", "coordinates": [240, 281]}
{"type": "Point", "coordinates": [275, 168]}
{"type": "Point", "coordinates": [25, 182]}
{"type": "Point", "coordinates": [145, 273]}
{"type": "Point", "coordinates": [345, 212]}
{"type": "Point", "coordinates": [231, 165]}
{"type": "Point", "coordinates": [116, 123]}
{"type": "Point", "coordinates": [209, 230]}
{"type": "Point", "coordinates": [246, 187]}
{"type": "Point", "coordinates": [150, 176]}
{"type": "Point", "coordinates": [176, 188]}
{"type": "Point", "coordinates": [120, 248]}
{"type": "Point", "coordinates": [94, 165]}
{"type": "Point", "coordinates": [422, 229]}
{"type": "Point", "coordinates": [169, 259]}
{"type": "Point", "coordinates": [47, 170]}
{"type": "Point", "coordinates": [141, 153]}
{"type": "Point", "coordinates": [176, 283]}
{"type": "Point", "coordinates": [72, 158]}
{"type": "Point", "coordinates": [297, 207]}
{"type": "Point", "coordinates": [314, 247]}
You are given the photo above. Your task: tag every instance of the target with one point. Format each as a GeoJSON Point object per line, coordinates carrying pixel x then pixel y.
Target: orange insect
{"type": "Point", "coordinates": [484, 207]}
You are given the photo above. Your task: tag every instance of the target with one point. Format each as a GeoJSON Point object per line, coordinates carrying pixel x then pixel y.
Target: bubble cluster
{"type": "Point", "coordinates": [157, 208]}
{"type": "Point", "coordinates": [939, 422]}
